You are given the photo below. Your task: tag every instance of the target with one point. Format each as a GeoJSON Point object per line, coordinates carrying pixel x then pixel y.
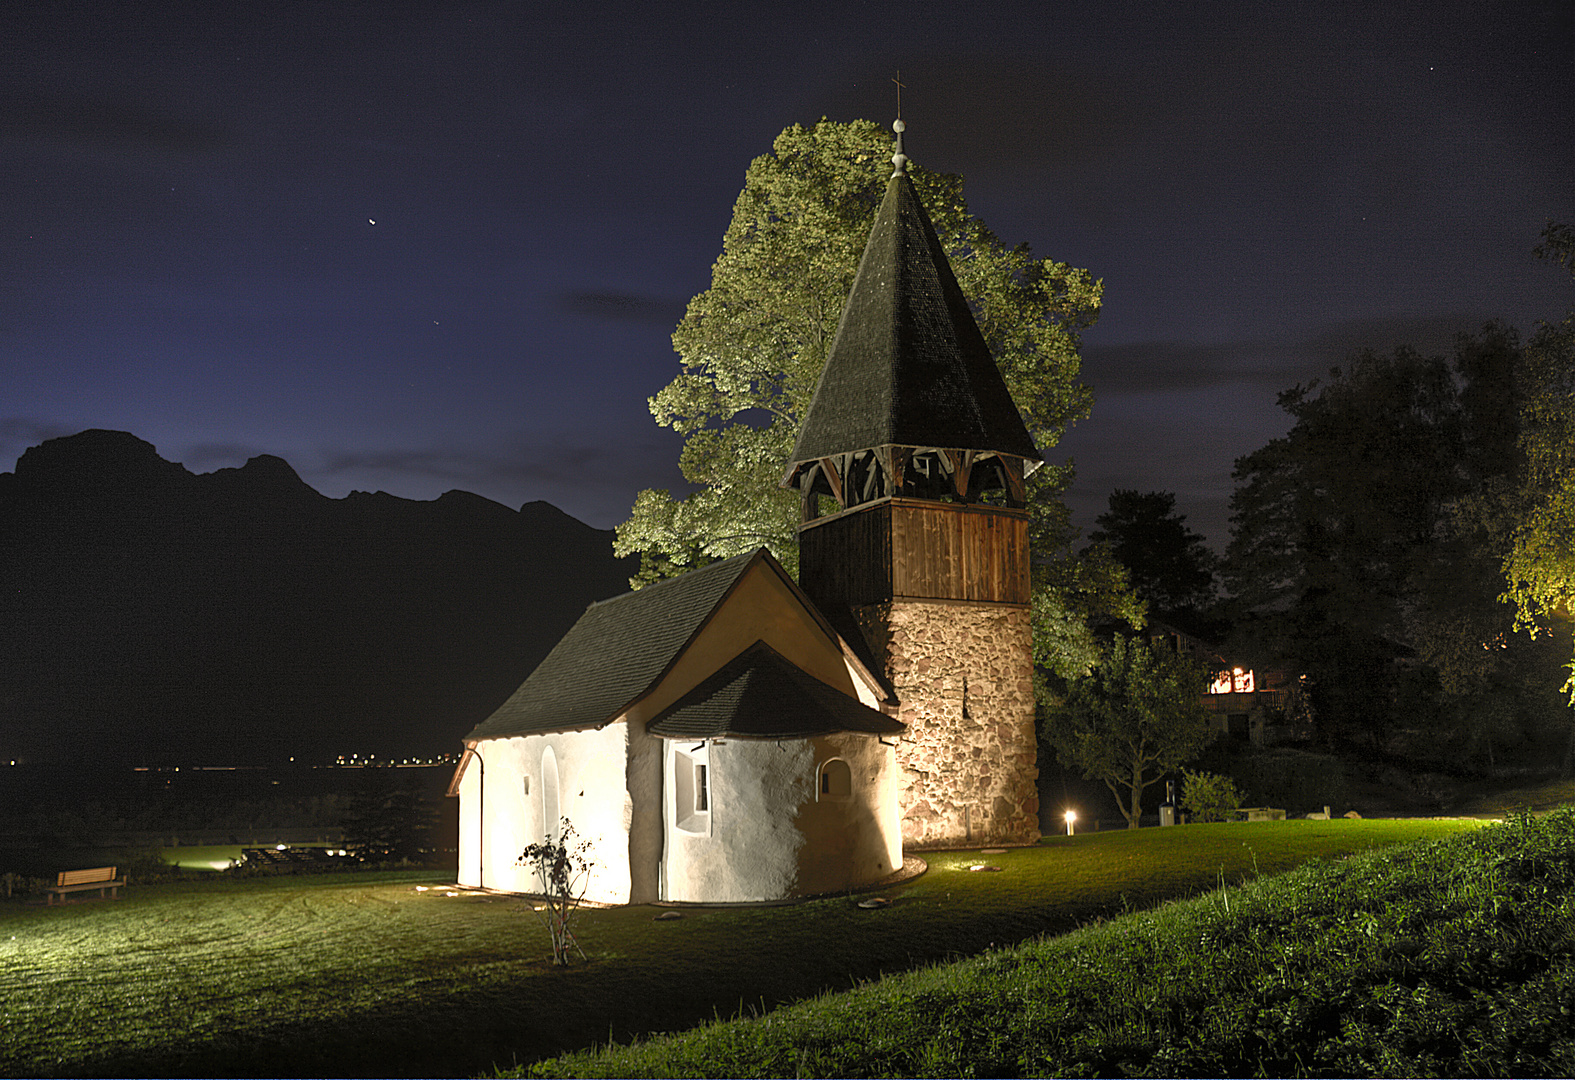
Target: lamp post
{"type": "Point", "coordinates": [1071, 819]}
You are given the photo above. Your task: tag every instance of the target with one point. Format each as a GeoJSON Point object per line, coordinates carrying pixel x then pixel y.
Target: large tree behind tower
{"type": "Point", "coordinates": [752, 345]}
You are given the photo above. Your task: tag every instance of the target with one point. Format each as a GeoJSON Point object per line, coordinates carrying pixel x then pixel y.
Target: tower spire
{"type": "Point", "coordinates": [899, 160]}
{"type": "Point", "coordinates": [910, 402]}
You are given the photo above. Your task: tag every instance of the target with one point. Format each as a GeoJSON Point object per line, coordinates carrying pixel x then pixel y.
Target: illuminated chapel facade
{"type": "Point", "coordinates": [732, 735]}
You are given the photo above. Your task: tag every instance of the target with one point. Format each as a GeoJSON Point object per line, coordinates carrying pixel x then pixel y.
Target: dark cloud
{"type": "Point", "coordinates": [1431, 335]}
{"type": "Point", "coordinates": [1165, 366]}
{"type": "Point", "coordinates": [624, 307]}
{"type": "Point", "coordinates": [116, 125]}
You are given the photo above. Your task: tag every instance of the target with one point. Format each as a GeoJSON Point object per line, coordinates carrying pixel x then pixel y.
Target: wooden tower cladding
{"type": "Point", "coordinates": [913, 436]}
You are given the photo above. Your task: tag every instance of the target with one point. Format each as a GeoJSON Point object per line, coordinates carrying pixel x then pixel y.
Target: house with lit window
{"type": "Point", "coordinates": [732, 735]}
{"type": "Point", "coordinates": [1243, 702]}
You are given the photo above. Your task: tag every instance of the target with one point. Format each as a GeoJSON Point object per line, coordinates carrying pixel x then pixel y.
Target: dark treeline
{"type": "Point", "coordinates": [1367, 553]}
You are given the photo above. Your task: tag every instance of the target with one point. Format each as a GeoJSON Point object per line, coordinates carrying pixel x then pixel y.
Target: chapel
{"type": "Point", "coordinates": [731, 735]}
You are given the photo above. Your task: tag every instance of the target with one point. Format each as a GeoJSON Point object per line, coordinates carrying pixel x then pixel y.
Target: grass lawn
{"type": "Point", "coordinates": [382, 974]}
{"type": "Point", "coordinates": [1453, 957]}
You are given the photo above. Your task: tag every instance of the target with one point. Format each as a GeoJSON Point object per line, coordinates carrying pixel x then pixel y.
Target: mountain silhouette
{"type": "Point", "coordinates": [149, 615]}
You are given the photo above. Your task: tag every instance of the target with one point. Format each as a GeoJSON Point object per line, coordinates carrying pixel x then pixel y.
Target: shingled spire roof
{"type": "Point", "coordinates": [908, 366]}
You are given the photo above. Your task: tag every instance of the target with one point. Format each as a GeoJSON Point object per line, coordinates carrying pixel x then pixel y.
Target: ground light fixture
{"type": "Point", "coordinates": [1071, 820]}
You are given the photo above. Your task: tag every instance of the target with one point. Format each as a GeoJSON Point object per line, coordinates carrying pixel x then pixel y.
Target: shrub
{"type": "Point", "coordinates": [1208, 796]}
{"type": "Point", "coordinates": [564, 871]}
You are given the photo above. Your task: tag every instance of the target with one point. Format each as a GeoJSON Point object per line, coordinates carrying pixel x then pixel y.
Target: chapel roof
{"type": "Point", "coordinates": [761, 694]}
{"type": "Point", "coordinates": [909, 366]}
{"type": "Point", "coordinates": [621, 648]}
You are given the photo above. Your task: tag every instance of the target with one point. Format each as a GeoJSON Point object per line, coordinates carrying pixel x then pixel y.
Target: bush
{"type": "Point", "coordinates": [1208, 796]}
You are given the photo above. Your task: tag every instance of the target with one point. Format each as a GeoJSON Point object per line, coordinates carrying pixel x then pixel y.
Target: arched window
{"type": "Point", "coordinates": [836, 781]}
{"type": "Point", "coordinates": [550, 825]}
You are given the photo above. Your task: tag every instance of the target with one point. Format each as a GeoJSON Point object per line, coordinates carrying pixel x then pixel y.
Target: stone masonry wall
{"type": "Point", "coordinates": [963, 676]}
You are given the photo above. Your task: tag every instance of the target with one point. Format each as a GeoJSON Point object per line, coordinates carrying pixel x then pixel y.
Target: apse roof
{"type": "Point", "coordinates": [761, 694]}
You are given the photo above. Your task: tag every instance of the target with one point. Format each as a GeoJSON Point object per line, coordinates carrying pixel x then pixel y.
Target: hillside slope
{"type": "Point", "coordinates": [148, 614]}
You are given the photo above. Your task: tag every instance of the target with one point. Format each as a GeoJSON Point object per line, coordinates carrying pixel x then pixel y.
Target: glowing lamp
{"type": "Point", "coordinates": [1071, 820]}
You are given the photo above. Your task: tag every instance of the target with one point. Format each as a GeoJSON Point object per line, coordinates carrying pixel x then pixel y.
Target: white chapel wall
{"type": "Point", "coordinates": [503, 805]}
{"type": "Point", "coordinates": [768, 834]}
{"type": "Point", "coordinates": [750, 847]}
{"type": "Point", "coordinates": [853, 839]}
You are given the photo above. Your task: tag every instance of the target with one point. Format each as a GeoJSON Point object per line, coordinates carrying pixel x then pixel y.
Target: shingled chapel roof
{"type": "Point", "coordinates": [613, 654]}
{"type": "Point", "coordinates": [760, 694]}
{"type": "Point", "coordinates": [620, 649]}
{"type": "Point", "coordinates": [908, 366]}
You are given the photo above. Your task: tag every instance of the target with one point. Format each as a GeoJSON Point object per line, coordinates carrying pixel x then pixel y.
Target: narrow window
{"type": "Point", "coordinates": [692, 790]}
{"type": "Point", "coordinates": [550, 826]}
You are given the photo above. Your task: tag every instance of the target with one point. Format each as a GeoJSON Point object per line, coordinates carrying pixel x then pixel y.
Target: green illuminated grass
{"type": "Point", "coordinates": [362, 974]}
{"type": "Point", "coordinates": [1449, 958]}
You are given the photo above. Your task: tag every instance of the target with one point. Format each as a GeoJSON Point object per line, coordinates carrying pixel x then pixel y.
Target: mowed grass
{"type": "Point", "coordinates": [382, 974]}
{"type": "Point", "coordinates": [1453, 957]}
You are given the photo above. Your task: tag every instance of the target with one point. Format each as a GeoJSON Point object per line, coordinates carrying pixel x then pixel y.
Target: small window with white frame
{"type": "Point", "coordinates": [692, 788]}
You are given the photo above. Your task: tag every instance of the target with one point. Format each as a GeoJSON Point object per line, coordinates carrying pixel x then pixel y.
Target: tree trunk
{"type": "Point", "coordinates": [1135, 818]}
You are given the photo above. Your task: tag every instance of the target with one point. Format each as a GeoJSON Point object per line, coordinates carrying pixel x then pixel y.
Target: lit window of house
{"type": "Point", "coordinates": [1235, 681]}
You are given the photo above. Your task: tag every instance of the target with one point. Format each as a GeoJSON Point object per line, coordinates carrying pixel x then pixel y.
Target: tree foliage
{"type": "Point", "coordinates": [751, 347]}
{"type": "Point", "coordinates": [1332, 523]}
{"type": "Point", "coordinates": [388, 818]}
{"type": "Point", "coordinates": [1069, 596]}
{"type": "Point", "coordinates": [1368, 546]}
{"type": "Point", "coordinates": [1170, 566]}
{"type": "Point", "coordinates": [1540, 563]}
{"type": "Point", "coordinates": [1136, 716]}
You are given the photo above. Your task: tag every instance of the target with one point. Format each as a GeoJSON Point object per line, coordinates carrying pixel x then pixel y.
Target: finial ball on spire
{"type": "Point", "coordinates": [898, 126]}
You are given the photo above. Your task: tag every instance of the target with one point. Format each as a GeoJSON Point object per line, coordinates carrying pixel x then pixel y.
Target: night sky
{"type": "Point", "coordinates": [423, 246]}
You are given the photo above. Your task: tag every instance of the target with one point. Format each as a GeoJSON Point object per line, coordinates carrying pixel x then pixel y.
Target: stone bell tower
{"type": "Point", "coordinates": [914, 435]}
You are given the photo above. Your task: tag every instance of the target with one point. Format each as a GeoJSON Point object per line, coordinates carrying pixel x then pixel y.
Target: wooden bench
{"type": "Point", "coordinates": [100, 878]}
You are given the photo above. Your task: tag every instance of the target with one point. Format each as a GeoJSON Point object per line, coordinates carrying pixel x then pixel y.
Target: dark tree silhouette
{"type": "Point", "coordinates": [1170, 566]}
{"type": "Point", "coordinates": [389, 817]}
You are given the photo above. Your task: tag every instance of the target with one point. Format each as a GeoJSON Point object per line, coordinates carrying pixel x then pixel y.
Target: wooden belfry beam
{"type": "Point", "coordinates": [961, 462]}
{"type": "Point", "coordinates": [833, 475]}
